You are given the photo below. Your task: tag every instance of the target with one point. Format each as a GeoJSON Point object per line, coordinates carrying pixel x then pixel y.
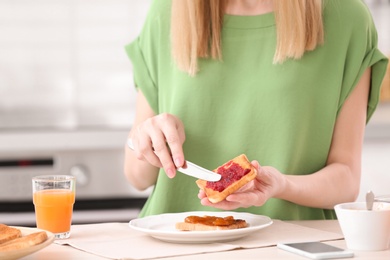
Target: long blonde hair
{"type": "Point", "coordinates": [196, 27]}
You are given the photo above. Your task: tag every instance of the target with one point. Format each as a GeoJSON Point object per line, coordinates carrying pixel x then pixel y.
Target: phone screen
{"type": "Point", "coordinates": [316, 250]}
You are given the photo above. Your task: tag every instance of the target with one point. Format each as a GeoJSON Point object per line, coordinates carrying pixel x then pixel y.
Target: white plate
{"type": "Point", "coordinates": [163, 227]}
{"type": "Point", "coordinates": [16, 254]}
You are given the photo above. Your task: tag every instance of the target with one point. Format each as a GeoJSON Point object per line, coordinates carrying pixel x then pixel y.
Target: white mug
{"type": "Point", "coordinates": [364, 229]}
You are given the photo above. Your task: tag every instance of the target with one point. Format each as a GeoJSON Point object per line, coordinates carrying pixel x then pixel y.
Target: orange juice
{"type": "Point", "coordinates": [53, 209]}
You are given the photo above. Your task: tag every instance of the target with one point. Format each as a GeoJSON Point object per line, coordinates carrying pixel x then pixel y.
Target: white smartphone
{"type": "Point", "coordinates": [316, 250]}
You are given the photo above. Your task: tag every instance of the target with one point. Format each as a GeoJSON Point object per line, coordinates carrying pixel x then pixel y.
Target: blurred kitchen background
{"type": "Point", "coordinates": [67, 103]}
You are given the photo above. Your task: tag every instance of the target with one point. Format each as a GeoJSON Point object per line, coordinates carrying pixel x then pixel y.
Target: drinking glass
{"type": "Point", "coordinates": [53, 198]}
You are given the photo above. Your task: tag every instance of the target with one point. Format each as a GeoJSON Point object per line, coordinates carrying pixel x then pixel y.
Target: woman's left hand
{"type": "Point", "coordinates": [268, 183]}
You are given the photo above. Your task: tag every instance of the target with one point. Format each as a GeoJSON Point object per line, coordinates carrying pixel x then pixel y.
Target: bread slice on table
{"type": "Point", "coordinates": [235, 173]}
{"type": "Point", "coordinates": [8, 233]}
{"type": "Point", "coordinates": [24, 242]}
{"type": "Point", "coordinates": [208, 223]}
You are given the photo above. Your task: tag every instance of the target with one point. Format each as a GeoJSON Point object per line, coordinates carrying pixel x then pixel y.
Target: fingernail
{"type": "Point", "coordinates": [177, 162]}
{"type": "Point", "coordinates": [170, 173]}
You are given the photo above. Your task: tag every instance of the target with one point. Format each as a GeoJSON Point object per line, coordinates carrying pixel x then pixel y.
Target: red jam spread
{"type": "Point", "coordinates": [211, 220]}
{"type": "Point", "coordinates": [230, 172]}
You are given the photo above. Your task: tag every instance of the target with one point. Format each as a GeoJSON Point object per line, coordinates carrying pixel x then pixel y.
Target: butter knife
{"type": "Point", "coordinates": [191, 169]}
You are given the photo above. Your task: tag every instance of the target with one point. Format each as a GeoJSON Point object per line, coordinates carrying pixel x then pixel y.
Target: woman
{"type": "Point", "coordinates": [289, 83]}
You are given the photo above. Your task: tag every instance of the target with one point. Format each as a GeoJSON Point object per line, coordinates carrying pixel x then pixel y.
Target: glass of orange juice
{"type": "Point", "coordinates": [53, 198]}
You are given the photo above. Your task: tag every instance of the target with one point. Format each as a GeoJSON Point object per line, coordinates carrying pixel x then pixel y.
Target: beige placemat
{"type": "Point", "coordinates": [119, 241]}
{"type": "Point", "coordinates": [283, 232]}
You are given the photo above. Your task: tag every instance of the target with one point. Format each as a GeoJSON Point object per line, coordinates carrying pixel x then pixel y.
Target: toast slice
{"type": "Point", "coordinates": [24, 242]}
{"type": "Point", "coordinates": [235, 173]}
{"type": "Point", "coordinates": [208, 223]}
{"type": "Point", "coordinates": [8, 233]}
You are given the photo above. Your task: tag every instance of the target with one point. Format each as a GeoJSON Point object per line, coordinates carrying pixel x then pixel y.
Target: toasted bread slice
{"type": "Point", "coordinates": [201, 227]}
{"type": "Point", "coordinates": [207, 223]}
{"type": "Point", "coordinates": [8, 233]}
{"type": "Point", "coordinates": [227, 170]}
{"type": "Point", "coordinates": [24, 242]}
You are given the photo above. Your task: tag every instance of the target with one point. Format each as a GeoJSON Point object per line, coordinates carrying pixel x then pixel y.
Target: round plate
{"type": "Point", "coordinates": [163, 227]}
{"type": "Point", "coordinates": [15, 254]}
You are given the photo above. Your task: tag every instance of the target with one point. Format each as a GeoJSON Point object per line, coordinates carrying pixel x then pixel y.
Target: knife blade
{"type": "Point", "coordinates": [191, 169]}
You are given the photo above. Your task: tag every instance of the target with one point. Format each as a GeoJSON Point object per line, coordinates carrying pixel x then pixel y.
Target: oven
{"type": "Point", "coordinates": [67, 102]}
{"type": "Point", "coordinates": [95, 158]}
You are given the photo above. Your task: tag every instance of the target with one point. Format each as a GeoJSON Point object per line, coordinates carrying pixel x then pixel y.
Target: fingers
{"type": "Point", "coordinates": [158, 140]}
{"type": "Point", "coordinates": [143, 148]}
{"type": "Point", "coordinates": [260, 171]}
{"type": "Point", "coordinates": [256, 165]}
{"type": "Point", "coordinates": [235, 200]}
{"type": "Point", "coordinates": [224, 205]}
{"type": "Point", "coordinates": [175, 137]}
{"type": "Point", "coordinates": [163, 154]}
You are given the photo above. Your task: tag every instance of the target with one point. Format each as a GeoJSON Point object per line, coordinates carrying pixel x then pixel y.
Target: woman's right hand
{"type": "Point", "coordinates": [159, 140]}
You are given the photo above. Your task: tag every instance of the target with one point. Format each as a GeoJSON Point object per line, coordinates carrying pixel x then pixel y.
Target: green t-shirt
{"type": "Point", "coordinates": [281, 115]}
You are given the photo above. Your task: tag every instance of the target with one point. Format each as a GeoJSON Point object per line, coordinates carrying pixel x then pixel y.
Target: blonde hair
{"type": "Point", "coordinates": [196, 27]}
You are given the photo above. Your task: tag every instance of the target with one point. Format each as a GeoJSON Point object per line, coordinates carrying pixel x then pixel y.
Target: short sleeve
{"type": "Point", "coordinates": [378, 63]}
{"type": "Point", "coordinates": [142, 74]}
{"type": "Point", "coordinates": [148, 52]}
{"type": "Point", "coordinates": [362, 54]}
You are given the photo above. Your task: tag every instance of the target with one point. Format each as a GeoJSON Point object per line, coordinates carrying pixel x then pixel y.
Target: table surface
{"type": "Point", "coordinates": [59, 252]}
